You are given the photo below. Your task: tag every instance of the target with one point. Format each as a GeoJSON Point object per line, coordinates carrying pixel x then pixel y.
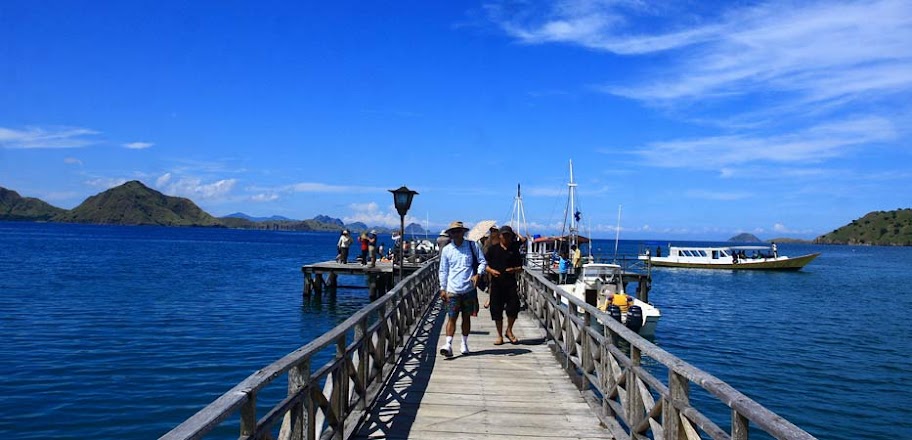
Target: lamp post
{"type": "Point", "coordinates": [402, 198]}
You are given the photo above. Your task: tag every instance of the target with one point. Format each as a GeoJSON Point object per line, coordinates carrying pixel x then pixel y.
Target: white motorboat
{"type": "Point", "coordinates": [603, 285]}
{"type": "Point", "coordinates": [727, 257]}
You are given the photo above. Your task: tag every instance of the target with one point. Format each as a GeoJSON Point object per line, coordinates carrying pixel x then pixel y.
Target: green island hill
{"type": "Point", "coordinates": [134, 203]}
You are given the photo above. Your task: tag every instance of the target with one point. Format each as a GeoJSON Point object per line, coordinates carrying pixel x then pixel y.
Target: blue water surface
{"type": "Point", "coordinates": [124, 332]}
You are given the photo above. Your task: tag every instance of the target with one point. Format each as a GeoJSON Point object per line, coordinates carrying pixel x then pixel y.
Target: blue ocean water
{"type": "Point", "coordinates": [124, 332]}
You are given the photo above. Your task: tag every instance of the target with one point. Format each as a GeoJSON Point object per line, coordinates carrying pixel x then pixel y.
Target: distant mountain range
{"type": "Point", "coordinates": [133, 203]}
{"type": "Point", "coordinates": [258, 219]}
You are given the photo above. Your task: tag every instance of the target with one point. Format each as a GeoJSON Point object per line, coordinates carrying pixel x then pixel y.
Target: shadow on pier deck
{"type": "Point", "coordinates": [495, 392]}
{"type": "Point", "coordinates": [578, 374]}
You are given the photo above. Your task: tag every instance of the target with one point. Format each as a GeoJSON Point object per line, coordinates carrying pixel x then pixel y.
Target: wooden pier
{"type": "Point", "coordinates": [577, 374]}
{"type": "Point", "coordinates": [380, 277]}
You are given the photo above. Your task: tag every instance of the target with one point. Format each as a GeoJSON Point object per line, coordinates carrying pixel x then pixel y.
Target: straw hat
{"type": "Point", "coordinates": [456, 225]}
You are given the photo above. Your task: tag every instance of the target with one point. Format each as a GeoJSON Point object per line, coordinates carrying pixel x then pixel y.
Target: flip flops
{"type": "Point", "coordinates": [513, 339]}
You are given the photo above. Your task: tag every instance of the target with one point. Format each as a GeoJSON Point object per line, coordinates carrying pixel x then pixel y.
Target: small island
{"type": "Point", "coordinates": [745, 238]}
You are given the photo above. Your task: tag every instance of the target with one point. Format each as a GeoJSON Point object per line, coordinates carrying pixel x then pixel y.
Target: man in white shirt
{"type": "Point", "coordinates": [460, 263]}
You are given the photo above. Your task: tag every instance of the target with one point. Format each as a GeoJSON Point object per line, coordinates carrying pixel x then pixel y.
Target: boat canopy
{"type": "Point", "coordinates": [579, 239]}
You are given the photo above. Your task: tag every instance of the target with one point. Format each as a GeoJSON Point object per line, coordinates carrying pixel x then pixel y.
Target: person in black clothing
{"type": "Point", "coordinates": [504, 262]}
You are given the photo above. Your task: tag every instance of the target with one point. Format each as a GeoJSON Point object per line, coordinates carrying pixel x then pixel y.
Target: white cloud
{"type": "Point", "coordinates": [72, 161]}
{"type": "Point", "coordinates": [36, 137]}
{"type": "Point", "coordinates": [371, 215]}
{"type": "Point", "coordinates": [163, 180]}
{"type": "Point", "coordinates": [195, 189]}
{"type": "Point", "coordinates": [138, 145]}
{"type": "Point", "coordinates": [264, 197]}
{"type": "Point", "coordinates": [813, 144]}
{"type": "Point", "coordinates": [718, 195]}
{"type": "Point", "coordinates": [106, 182]}
{"type": "Point", "coordinates": [313, 187]}
{"type": "Point", "coordinates": [800, 57]}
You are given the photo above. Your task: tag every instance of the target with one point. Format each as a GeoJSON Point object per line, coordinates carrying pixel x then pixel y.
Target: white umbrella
{"type": "Point", "coordinates": [480, 229]}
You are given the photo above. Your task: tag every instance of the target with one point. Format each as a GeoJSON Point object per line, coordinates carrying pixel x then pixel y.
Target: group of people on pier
{"type": "Point", "coordinates": [370, 246]}
{"type": "Point", "coordinates": [464, 266]}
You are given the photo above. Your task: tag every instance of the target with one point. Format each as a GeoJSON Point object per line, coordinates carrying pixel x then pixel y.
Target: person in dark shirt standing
{"type": "Point", "coordinates": [504, 262]}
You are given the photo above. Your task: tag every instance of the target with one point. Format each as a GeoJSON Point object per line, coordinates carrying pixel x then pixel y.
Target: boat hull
{"type": "Point", "coordinates": [792, 263]}
{"type": "Point", "coordinates": [651, 314]}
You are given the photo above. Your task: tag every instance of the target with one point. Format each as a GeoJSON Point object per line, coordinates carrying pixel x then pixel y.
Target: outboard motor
{"type": "Point", "coordinates": [635, 318]}
{"type": "Point", "coordinates": [615, 312]}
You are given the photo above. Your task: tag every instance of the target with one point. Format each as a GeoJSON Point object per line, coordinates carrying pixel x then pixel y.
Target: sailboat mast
{"type": "Point", "coordinates": [518, 218]}
{"type": "Point", "coordinates": [572, 189]}
{"type": "Point", "coordinates": [617, 234]}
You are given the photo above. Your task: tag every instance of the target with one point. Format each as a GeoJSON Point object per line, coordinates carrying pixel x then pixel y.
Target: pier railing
{"type": "Point", "coordinates": [606, 361]}
{"type": "Point", "coordinates": [351, 380]}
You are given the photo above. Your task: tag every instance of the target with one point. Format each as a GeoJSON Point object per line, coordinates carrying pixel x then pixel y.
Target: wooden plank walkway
{"type": "Point", "coordinates": [495, 392]}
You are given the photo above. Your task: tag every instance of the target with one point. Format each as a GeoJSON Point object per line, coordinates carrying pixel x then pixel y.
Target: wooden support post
{"type": "Point", "coordinates": [318, 283]}
{"type": "Point", "coordinates": [333, 280]}
{"type": "Point", "coordinates": [372, 285]}
{"type": "Point", "coordinates": [308, 283]}
{"type": "Point", "coordinates": [643, 288]}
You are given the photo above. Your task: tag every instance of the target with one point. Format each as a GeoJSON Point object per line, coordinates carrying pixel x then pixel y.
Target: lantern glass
{"type": "Point", "coordinates": [402, 199]}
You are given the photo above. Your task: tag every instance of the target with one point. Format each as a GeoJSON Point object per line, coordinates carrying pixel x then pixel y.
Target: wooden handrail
{"type": "Point", "coordinates": [356, 373]}
{"type": "Point", "coordinates": [614, 380]}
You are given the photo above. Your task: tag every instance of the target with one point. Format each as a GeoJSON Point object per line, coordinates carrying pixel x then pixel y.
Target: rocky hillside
{"type": "Point", "coordinates": [15, 207]}
{"type": "Point", "coordinates": [883, 228]}
{"type": "Point", "coordinates": [136, 204]}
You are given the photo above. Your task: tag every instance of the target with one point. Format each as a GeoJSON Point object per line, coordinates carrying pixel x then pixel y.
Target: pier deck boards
{"type": "Point", "coordinates": [495, 392]}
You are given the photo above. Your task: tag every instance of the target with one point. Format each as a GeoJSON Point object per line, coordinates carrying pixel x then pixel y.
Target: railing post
{"type": "Point", "coordinates": [248, 415]}
{"type": "Point", "coordinates": [585, 345]}
{"type": "Point", "coordinates": [340, 389]}
{"type": "Point", "coordinates": [635, 411]}
{"type": "Point", "coordinates": [363, 367]}
{"type": "Point", "coordinates": [678, 391]}
{"type": "Point", "coordinates": [740, 424]}
{"type": "Point", "coordinates": [297, 382]}
{"type": "Point", "coordinates": [605, 360]}
{"type": "Point", "coordinates": [569, 340]}
{"type": "Point", "coordinates": [394, 326]}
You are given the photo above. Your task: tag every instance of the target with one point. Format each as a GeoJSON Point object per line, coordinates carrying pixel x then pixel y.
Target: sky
{"type": "Point", "coordinates": [693, 119]}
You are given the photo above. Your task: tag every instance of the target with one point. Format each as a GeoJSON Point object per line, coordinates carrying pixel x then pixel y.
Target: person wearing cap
{"type": "Point", "coordinates": [442, 240]}
{"type": "Point", "coordinates": [504, 262]}
{"type": "Point", "coordinates": [492, 238]}
{"type": "Point", "coordinates": [345, 242]}
{"type": "Point", "coordinates": [460, 262]}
